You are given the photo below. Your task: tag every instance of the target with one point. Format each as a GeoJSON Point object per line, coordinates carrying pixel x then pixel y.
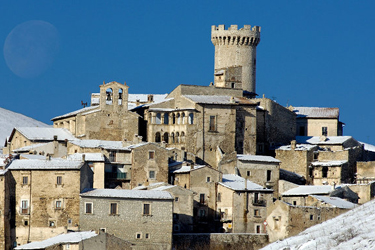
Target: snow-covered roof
{"type": "Point", "coordinates": [45, 134]}
{"type": "Point", "coordinates": [28, 148]}
{"type": "Point", "coordinates": [218, 99]}
{"type": "Point", "coordinates": [307, 190]}
{"type": "Point", "coordinates": [328, 163]}
{"type": "Point", "coordinates": [187, 169]}
{"type": "Point", "coordinates": [368, 147]}
{"type": "Point", "coordinates": [144, 97]}
{"type": "Point", "coordinates": [316, 112]}
{"type": "Point", "coordinates": [317, 140]}
{"type": "Point", "coordinates": [335, 201]}
{"type": "Point", "coordinates": [29, 156]}
{"type": "Point", "coordinates": [36, 164]}
{"type": "Point", "coordinates": [237, 183]}
{"type": "Point", "coordinates": [99, 144]}
{"type": "Point", "coordinates": [128, 194]}
{"type": "Point", "coordinates": [97, 157]}
{"type": "Point", "coordinates": [261, 158]}
{"type": "Point", "coordinates": [301, 147]}
{"type": "Point", "coordinates": [69, 238]}
{"type": "Point", "coordinates": [75, 112]}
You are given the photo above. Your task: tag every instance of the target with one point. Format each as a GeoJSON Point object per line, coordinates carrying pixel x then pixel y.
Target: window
{"type": "Point", "coordinates": [176, 216]}
{"type": "Point", "coordinates": [295, 203]}
{"type": "Point", "coordinates": [202, 213]}
{"type": "Point", "coordinates": [325, 172]}
{"type": "Point", "coordinates": [113, 209]}
{"type": "Point", "coordinates": [176, 228]}
{"type": "Point", "coordinates": [67, 246]}
{"type": "Point", "coordinates": [256, 213]}
{"type": "Point", "coordinates": [311, 217]}
{"type": "Point", "coordinates": [258, 229]}
{"type": "Point", "coordinates": [208, 179]}
{"type": "Point", "coordinates": [138, 236]}
{"type": "Point", "coordinates": [147, 236]}
{"type": "Point", "coordinates": [176, 199]}
{"type": "Point", "coordinates": [248, 173]}
{"type": "Point", "coordinates": [146, 209]}
{"type": "Point", "coordinates": [58, 204]}
{"type": "Point", "coordinates": [269, 172]}
{"type": "Point", "coordinates": [158, 118]}
{"type": "Point", "coordinates": [24, 206]}
{"type": "Point", "coordinates": [151, 174]}
{"type": "Point", "coordinates": [157, 137]}
{"type": "Point", "coordinates": [324, 131]}
{"type": "Point", "coordinates": [151, 155]}
{"type": "Point", "coordinates": [59, 180]}
{"type": "Point", "coordinates": [112, 156]}
{"type": "Point", "coordinates": [166, 118]}
{"type": "Point", "coordinates": [88, 208]}
{"type": "Point", "coordinates": [212, 123]}
{"type": "Point", "coordinates": [51, 223]}
{"type": "Point", "coordinates": [191, 118]}
{"type": "Point", "coordinates": [25, 180]}
{"type": "Point", "coordinates": [201, 198]}
{"type": "Point", "coordinates": [302, 131]}
{"type": "Point", "coordinates": [26, 223]}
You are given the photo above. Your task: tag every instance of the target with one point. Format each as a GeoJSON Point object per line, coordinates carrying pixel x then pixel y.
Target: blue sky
{"type": "Point", "coordinates": [312, 53]}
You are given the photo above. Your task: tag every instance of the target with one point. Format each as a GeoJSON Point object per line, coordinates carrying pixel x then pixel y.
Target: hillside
{"type": "Point", "coordinates": [351, 230]}
{"type": "Point", "coordinates": [10, 119]}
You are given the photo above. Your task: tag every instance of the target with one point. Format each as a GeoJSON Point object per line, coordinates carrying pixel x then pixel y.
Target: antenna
{"type": "Point", "coordinates": [84, 104]}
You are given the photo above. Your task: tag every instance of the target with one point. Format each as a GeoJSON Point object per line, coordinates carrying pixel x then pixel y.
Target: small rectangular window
{"type": "Point", "coordinates": [201, 198]}
{"type": "Point", "coordinates": [147, 236]}
{"type": "Point", "coordinates": [219, 197]}
{"type": "Point", "coordinates": [58, 204]}
{"type": "Point", "coordinates": [311, 217]}
{"type": "Point", "coordinates": [176, 199]}
{"type": "Point", "coordinates": [113, 209]}
{"type": "Point", "coordinates": [269, 172]}
{"type": "Point", "coordinates": [146, 209]}
{"type": "Point", "coordinates": [24, 206]}
{"type": "Point", "coordinates": [212, 123]}
{"type": "Point", "coordinates": [25, 180]}
{"type": "Point", "coordinates": [59, 180]}
{"type": "Point", "coordinates": [138, 235]}
{"type": "Point", "coordinates": [151, 155]}
{"type": "Point", "coordinates": [256, 212]}
{"type": "Point", "coordinates": [88, 208]}
{"type": "Point", "coordinates": [151, 174]}
{"type": "Point", "coordinates": [324, 131]}
{"type": "Point", "coordinates": [208, 179]}
{"type": "Point", "coordinates": [248, 173]}
{"type": "Point", "coordinates": [52, 223]}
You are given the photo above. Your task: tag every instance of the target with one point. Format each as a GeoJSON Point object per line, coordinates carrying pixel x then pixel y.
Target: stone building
{"type": "Point", "coordinates": [202, 180]}
{"type": "Point", "coordinates": [6, 214]}
{"type": "Point", "coordinates": [324, 172]}
{"type": "Point", "coordinates": [298, 196]}
{"type": "Point", "coordinates": [242, 204]}
{"type": "Point", "coordinates": [44, 197]}
{"type": "Point", "coordinates": [79, 241]}
{"type": "Point", "coordinates": [26, 139]}
{"type": "Point", "coordinates": [313, 121]}
{"type": "Point", "coordinates": [285, 220]}
{"type": "Point", "coordinates": [143, 217]}
{"type": "Point", "coordinates": [110, 120]}
{"type": "Point", "coordinates": [182, 205]}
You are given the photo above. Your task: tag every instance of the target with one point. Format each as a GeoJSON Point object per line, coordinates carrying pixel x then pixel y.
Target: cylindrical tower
{"type": "Point", "coordinates": [237, 48]}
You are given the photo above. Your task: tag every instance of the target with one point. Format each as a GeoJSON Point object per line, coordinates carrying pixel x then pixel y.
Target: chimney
{"type": "Point", "coordinates": [83, 157]}
{"type": "Point", "coordinates": [191, 166]}
{"type": "Point", "coordinates": [333, 186]}
{"type": "Point", "coordinates": [48, 157]}
{"type": "Point", "coordinates": [150, 98]}
{"type": "Point", "coordinates": [55, 145]}
{"type": "Point", "coordinates": [293, 144]}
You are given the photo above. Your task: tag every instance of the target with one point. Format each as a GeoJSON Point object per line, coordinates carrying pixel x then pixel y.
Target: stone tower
{"type": "Point", "coordinates": [235, 56]}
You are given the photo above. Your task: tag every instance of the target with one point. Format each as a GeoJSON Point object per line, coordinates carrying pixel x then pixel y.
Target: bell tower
{"type": "Point", "coordinates": [235, 56]}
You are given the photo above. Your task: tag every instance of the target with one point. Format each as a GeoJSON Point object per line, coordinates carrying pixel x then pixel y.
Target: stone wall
{"type": "Point", "coordinates": [215, 241]}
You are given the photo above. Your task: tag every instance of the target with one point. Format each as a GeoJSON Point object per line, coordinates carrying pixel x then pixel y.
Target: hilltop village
{"type": "Point", "coordinates": [214, 166]}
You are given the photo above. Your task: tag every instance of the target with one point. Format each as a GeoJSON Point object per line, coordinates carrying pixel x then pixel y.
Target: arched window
{"type": "Point", "coordinates": [157, 137]}
{"type": "Point", "coordinates": [172, 137]}
{"type": "Point", "coordinates": [166, 137]}
{"type": "Point", "coordinates": [158, 118]}
{"type": "Point", "coordinates": [109, 96]}
{"type": "Point", "coordinates": [178, 118]}
{"type": "Point", "coordinates": [233, 85]}
{"type": "Point", "coordinates": [182, 137]}
{"type": "Point", "coordinates": [177, 137]}
{"type": "Point", "coordinates": [173, 119]}
{"type": "Point", "coordinates": [120, 97]}
{"type": "Point", "coordinates": [183, 118]}
{"type": "Point", "coordinates": [166, 118]}
{"type": "Point", "coordinates": [191, 118]}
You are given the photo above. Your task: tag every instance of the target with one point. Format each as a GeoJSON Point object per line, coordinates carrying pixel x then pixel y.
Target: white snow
{"type": "Point", "coordinates": [44, 164]}
{"type": "Point", "coordinates": [307, 190]}
{"type": "Point", "coordinates": [10, 119]}
{"type": "Point", "coordinates": [301, 147]}
{"type": "Point", "coordinates": [187, 169]}
{"type": "Point", "coordinates": [74, 237]}
{"type": "Point", "coordinates": [259, 158]}
{"type": "Point", "coordinates": [36, 133]}
{"type": "Point", "coordinates": [75, 112]}
{"type": "Point", "coordinates": [128, 194]}
{"type": "Point", "coordinates": [237, 183]}
{"type": "Point", "coordinates": [368, 147]}
{"type": "Point", "coordinates": [335, 201]}
{"type": "Point", "coordinates": [97, 157]}
{"type": "Point", "coordinates": [351, 230]}
{"type": "Point", "coordinates": [315, 112]}
{"type": "Point", "coordinates": [328, 163]}
{"type": "Point", "coordinates": [317, 140]}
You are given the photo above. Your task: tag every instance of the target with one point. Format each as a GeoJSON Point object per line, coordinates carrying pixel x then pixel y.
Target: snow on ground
{"type": "Point", "coordinates": [351, 230]}
{"type": "Point", "coordinates": [10, 119]}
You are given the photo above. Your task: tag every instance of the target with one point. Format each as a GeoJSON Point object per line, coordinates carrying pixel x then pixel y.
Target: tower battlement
{"type": "Point", "coordinates": [234, 36]}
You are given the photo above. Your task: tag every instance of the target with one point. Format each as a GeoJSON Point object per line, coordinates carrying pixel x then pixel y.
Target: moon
{"type": "Point", "coordinates": [31, 47]}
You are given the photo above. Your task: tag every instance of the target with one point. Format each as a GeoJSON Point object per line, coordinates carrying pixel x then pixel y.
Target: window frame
{"type": "Point", "coordinates": [151, 154]}
{"type": "Point", "coordinates": [146, 209]}
{"type": "Point", "coordinates": [212, 124]}
{"type": "Point", "coordinates": [59, 180]}
{"type": "Point", "coordinates": [25, 180]}
{"type": "Point", "coordinates": [153, 175]}
{"type": "Point", "coordinates": [91, 208]}
{"type": "Point", "coordinates": [25, 210]}
{"type": "Point", "coordinates": [113, 208]}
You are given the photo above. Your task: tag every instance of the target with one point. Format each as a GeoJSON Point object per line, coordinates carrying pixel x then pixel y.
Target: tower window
{"type": "Point", "coordinates": [324, 131]}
